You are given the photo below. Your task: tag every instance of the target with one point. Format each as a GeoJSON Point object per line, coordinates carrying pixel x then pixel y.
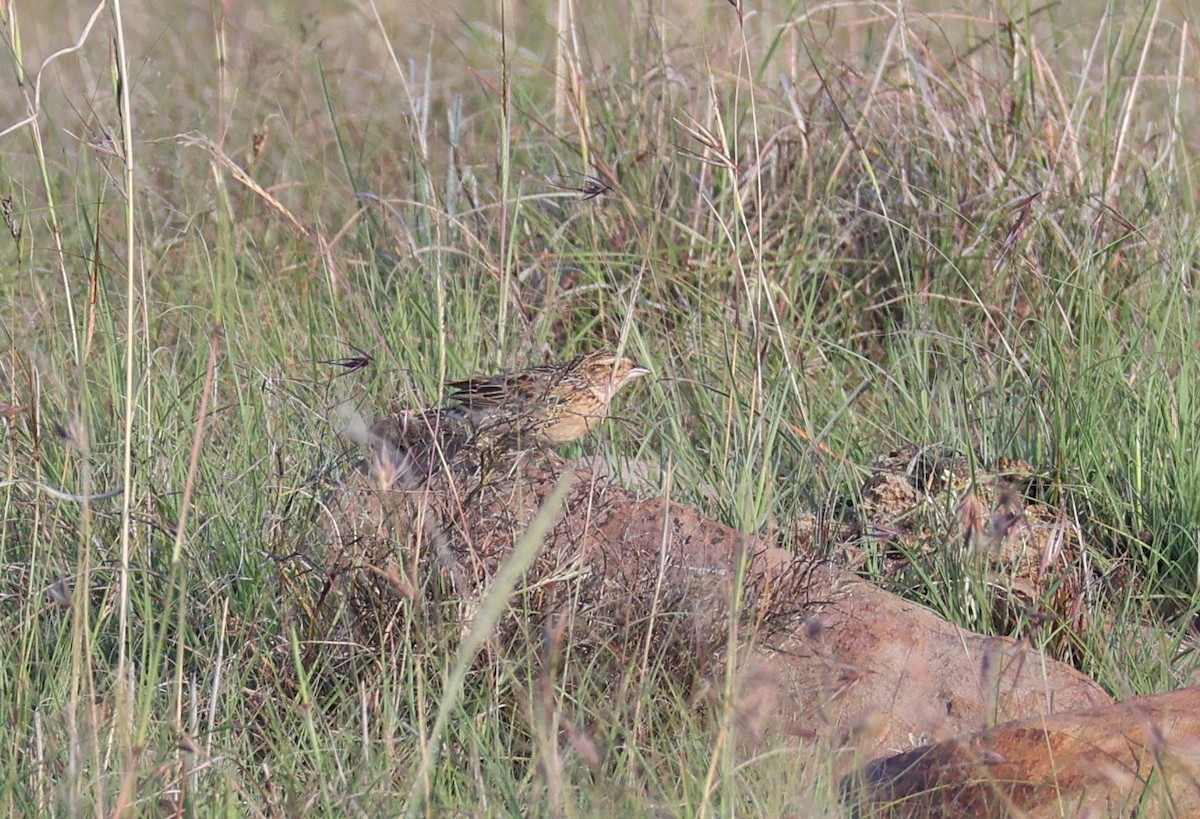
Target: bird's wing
{"type": "Point", "coordinates": [483, 391]}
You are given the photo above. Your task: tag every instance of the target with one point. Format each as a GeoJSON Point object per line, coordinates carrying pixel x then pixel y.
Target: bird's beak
{"type": "Point", "coordinates": [637, 371]}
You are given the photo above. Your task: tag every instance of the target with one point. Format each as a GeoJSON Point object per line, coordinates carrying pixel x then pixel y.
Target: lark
{"type": "Point", "coordinates": [547, 406]}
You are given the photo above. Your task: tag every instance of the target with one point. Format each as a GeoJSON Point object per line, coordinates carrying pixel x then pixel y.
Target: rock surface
{"type": "Point", "coordinates": [873, 674]}
{"type": "Point", "coordinates": [830, 658]}
{"type": "Point", "coordinates": [958, 724]}
{"type": "Point", "coordinates": [1140, 756]}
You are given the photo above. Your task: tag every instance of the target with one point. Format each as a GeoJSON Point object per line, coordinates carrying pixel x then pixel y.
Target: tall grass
{"type": "Point", "coordinates": [828, 230]}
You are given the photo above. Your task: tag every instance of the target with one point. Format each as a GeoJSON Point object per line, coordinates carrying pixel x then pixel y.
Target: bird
{"type": "Point", "coordinates": [546, 406]}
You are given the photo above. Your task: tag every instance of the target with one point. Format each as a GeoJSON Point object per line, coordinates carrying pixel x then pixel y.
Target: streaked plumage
{"type": "Point", "coordinates": [490, 417]}
{"type": "Point", "coordinates": [550, 405]}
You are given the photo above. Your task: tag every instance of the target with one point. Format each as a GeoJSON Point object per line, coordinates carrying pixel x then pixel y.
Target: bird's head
{"type": "Point", "coordinates": [609, 372]}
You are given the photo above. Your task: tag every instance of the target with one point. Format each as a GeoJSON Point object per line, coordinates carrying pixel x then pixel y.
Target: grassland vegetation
{"type": "Point", "coordinates": [828, 230]}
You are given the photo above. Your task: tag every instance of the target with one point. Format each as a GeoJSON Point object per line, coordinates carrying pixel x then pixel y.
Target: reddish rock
{"type": "Point", "coordinates": [822, 655]}
{"type": "Point", "coordinates": [872, 673]}
{"type": "Point", "coordinates": [1140, 756]}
